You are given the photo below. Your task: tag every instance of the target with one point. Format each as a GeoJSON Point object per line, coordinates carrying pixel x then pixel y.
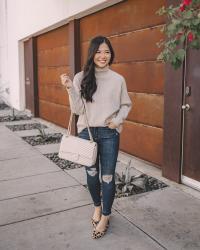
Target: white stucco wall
{"type": "Point", "coordinates": [3, 51]}
{"type": "Point", "coordinates": [20, 19]}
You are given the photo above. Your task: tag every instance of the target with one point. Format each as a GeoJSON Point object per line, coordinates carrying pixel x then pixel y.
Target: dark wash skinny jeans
{"type": "Point", "coordinates": [108, 146]}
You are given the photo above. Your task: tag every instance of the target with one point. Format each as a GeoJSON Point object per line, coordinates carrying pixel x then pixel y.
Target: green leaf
{"type": "Point", "coordinates": [171, 27]}
{"type": "Point", "coordinates": [166, 55]}
{"type": "Point", "coordinates": [195, 44]}
{"type": "Point", "coordinates": [196, 21]}
{"type": "Point", "coordinates": [196, 2]}
{"type": "Point", "coordinates": [176, 22]}
{"type": "Point", "coordinates": [182, 38]}
{"type": "Point", "coordinates": [177, 58]}
{"type": "Point", "coordinates": [186, 23]}
{"type": "Point", "coordinates": [180, 54]}
{"type": "Point", "coordinates": [188, 14]}
{"type": "Point", "coordinates": [176, 63]}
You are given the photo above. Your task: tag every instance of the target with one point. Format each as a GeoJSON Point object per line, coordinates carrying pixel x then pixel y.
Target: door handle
{"type": "Point", "coordinates": [186, 107]}
{"type": "Point", "coordinates": [27, 82]}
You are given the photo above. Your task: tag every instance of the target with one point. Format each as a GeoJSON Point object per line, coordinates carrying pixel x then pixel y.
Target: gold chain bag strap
{"type": "Point", "coordinates": [78, 150]}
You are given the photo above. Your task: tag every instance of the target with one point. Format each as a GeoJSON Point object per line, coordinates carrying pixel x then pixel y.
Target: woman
{"type": "Point", "coordinates": [107, 106]}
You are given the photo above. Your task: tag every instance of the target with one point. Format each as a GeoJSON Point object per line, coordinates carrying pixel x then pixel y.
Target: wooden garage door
{"type": "Point", "coordinates": [133, 29]}
{"type": "Point", "coordinates": [53, 60]}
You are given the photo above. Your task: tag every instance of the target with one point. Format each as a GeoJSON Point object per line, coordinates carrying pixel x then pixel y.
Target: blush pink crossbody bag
{"type": "Point", "coordinates": [78, 150]}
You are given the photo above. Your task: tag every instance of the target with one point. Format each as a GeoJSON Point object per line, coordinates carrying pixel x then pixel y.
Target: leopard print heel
{"type": "Point", "coordinates": [96, 234]}
{"type": "Point", "coordinates": [94, 222]}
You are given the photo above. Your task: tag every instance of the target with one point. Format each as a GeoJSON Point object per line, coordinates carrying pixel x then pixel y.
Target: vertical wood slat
{"type": "Point", "coordinates": [35, 70]}
{"type": "Point", "coordinates": [173, 93]}
{"type": "Point", "coordinates": [191, 156]}
{"type": "Point", "coordinates": [172, 124]}
{"type": "Point", "coordinates": [74, 58]}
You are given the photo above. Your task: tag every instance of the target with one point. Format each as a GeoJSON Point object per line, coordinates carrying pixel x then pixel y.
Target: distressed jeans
{"type": "Point", "coordinates": [108, 146]}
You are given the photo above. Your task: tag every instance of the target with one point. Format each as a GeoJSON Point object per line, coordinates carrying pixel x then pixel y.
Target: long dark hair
{"type": "Point", "coordinates": [88, 84]}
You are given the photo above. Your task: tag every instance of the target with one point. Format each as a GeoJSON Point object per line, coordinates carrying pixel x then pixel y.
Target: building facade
{"type": "Point", "coordinates": [41, 40]}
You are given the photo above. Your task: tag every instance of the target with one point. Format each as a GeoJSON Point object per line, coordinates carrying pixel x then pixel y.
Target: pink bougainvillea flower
{"type": "Point", "coordinates": [187, 2]}
{"type": "Point", "coordinates": [190, 36]}
{"type": "Point", "coordinates": [182, 7]}
{"type": "Point", "coordinates": [184, 4]}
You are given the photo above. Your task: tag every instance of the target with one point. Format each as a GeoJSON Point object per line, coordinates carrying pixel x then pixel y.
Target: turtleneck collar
{"type": "Point", "coordinates": [97, 69]}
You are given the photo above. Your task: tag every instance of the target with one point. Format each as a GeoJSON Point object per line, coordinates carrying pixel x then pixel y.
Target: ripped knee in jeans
{"type": "Point", "coordinates": [107, 178]}
{"type": "Point", "coordinates": [92, 171]}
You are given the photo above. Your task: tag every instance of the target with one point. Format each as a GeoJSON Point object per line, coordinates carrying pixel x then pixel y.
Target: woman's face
{"type": "Point", "coordinates": [102, 56]}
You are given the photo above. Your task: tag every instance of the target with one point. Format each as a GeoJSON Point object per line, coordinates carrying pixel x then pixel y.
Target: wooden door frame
{"type": "Point", "coordinates": [33, 74]}
{"type": "Point", "coordinates": [173, 119]}
{"type": "Point", "coordinates": [191, 163]}
{"type": "Point", "coordinates": [172, 137]}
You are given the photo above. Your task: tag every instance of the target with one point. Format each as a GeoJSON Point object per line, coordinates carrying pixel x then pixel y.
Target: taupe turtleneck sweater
{"type": "Point", "coordinates": [111, 100]}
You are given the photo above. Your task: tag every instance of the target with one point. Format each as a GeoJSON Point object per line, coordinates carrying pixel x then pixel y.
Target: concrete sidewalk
{"type": "Point", "coordinates": [43, 207]}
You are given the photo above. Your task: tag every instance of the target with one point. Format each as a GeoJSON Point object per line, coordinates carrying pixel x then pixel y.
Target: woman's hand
{"type": "Point", "coordinates": [66, 81]}
{"type": "Point", "coordinates": [111, 124]}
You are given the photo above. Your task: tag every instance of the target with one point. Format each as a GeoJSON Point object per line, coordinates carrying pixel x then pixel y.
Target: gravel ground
{"type": "Point", "coordinates": [27, 126]}
{"type": "Point", "coordinates": [9, 118]}
{"type": "Point", "coordinates": [40, 140]}
{"type": "Point", "coordinates": [63, 164]}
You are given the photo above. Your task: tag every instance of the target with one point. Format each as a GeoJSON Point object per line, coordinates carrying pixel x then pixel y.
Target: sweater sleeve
{"type": "Point", "coordinates": [76, 103]}
{"type": "Point", "coordinates": [125, 105]}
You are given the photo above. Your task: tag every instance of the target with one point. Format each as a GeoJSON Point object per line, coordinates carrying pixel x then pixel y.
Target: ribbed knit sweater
{"type": "Point", "coordinates": [110, 101]}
